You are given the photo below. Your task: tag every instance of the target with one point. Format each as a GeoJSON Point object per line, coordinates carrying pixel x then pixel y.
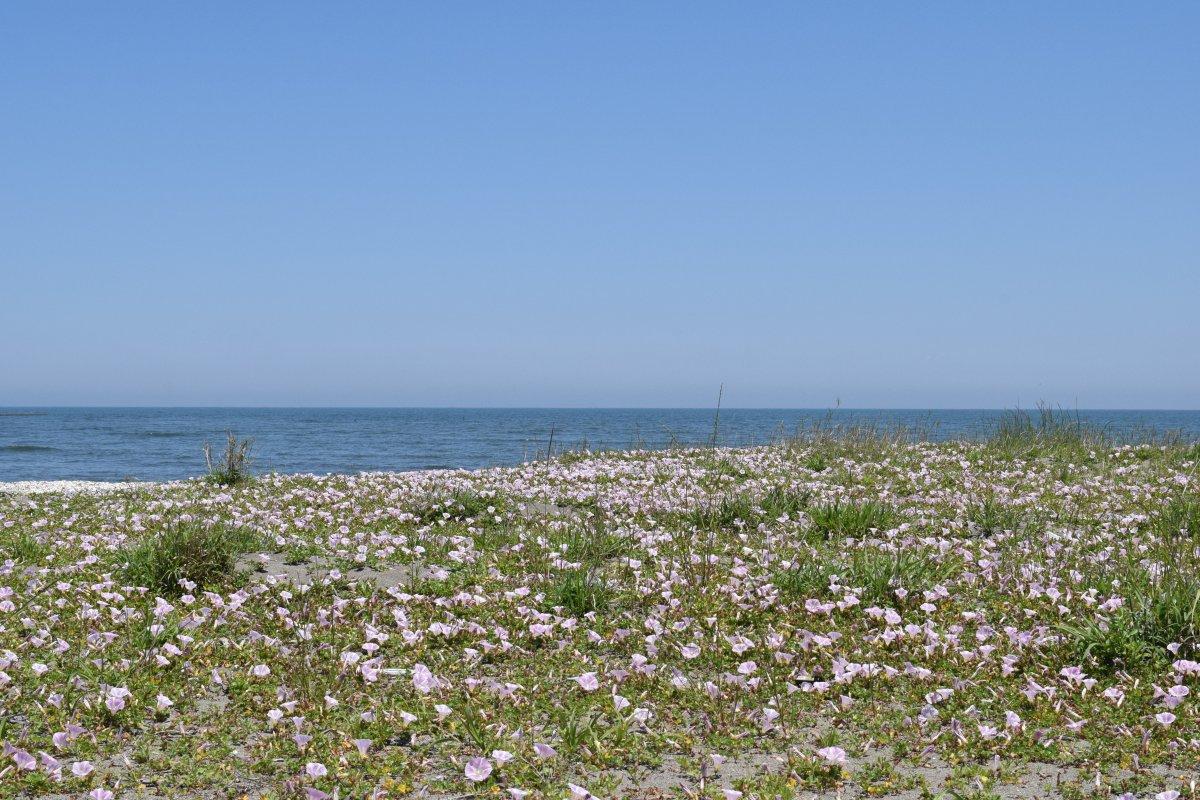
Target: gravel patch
{"type": "Point", "coordinates": [70, 487]}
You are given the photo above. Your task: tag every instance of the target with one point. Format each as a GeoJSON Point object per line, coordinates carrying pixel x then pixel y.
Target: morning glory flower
{"type": "Point", "coordinates": [478, 769]}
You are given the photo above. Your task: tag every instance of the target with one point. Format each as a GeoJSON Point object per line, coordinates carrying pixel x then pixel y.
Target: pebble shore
{"type": "Point", "coordinates": [70, 487]}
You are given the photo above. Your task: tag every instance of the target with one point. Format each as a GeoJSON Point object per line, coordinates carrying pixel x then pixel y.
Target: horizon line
{"type": "Point", "coordinates": [389, 407]}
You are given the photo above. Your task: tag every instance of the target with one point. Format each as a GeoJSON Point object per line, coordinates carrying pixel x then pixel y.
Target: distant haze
{"type": "Point", "coordinates": [939, 205]}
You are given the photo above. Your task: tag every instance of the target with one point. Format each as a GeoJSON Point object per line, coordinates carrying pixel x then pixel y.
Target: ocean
{"type": "Point", "coordinates": [165, 443]}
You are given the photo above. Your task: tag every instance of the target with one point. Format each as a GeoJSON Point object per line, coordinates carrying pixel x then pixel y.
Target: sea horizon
{"type": "Point", "coordinates": [157, 443]}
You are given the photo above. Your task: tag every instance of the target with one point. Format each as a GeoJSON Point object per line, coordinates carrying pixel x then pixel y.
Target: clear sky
{"type": "Point", "coordinates": [894, 204]}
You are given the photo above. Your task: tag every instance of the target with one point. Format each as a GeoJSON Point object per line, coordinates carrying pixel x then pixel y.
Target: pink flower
{"type": "Point", "coordinates": [100, 794]}
{"type": "Point", "coordinates": [363, 746]}
{"type": "Point", "coordinates": [478, 769]}
{"type": "Point", "coordinates": [115, 701]}
{"type": "Point", "coordinates": [587, 681]}
{"type": "Point", "coordinates": [544, 750]}
{"type": "Point", "coordinates": [316, 769]}
{"type": "Point", "coordinates": [1165, 718]}
{"type": "Point", "coordinates": [260, 670]}
{"type": "Point", "coordinates": [502, 756]}
{"type": "Point", "coordinates": [833, 755]}
{"type": "Point", "coordinates": [423, 680]}
{"type": "Point", "coordinates": [81, 769]}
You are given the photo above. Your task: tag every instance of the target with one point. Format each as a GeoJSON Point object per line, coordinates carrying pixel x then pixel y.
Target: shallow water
{"type": "Point", "coordinates": [165, 443]}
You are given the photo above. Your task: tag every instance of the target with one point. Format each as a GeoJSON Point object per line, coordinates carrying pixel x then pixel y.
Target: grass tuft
{"type": "Point", "coordinates": [580, 591]}
{"type": "Point", "coordinates": [22, 546]}
{"type": "Point", "coordinates": [807, 578]}
{"type": "Point", "coordinates": [233, 466]}
{"type": "Point", "coordinates": [749, 510]}
{"type": "Point", "coordinates": [992, 516]}
{"type": "Point", "coordinates": [1109, 645]}
{"type": "Point", "coordinates": [205, 556]}
{"type": "Point", "coordinates": [851, 519]}
{"type": "Point", "coordinates": [1048, 432]}
{"type": "Point", "coordinates": [1179, 517]}
{"type": "Point", "coordinates": [879, 573]}
{"type": "Point", "coordinates": [591, 544]}
{"type": "Point", "coordinates": [1162, 608]}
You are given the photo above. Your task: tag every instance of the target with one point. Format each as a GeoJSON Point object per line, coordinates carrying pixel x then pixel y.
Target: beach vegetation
{"type": "Point", "coordinates": [187, 557]}
{"type": "Point", "coordinates": [232, 466]}
{"type": "Point", "coordinates": [764, 620]}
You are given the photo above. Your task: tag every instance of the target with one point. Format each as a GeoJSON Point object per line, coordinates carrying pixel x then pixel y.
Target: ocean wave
{"type": "Point", "coordinates": [26, 448]}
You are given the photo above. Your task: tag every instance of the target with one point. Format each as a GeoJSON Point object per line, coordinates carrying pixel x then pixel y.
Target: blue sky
{"type": "Point", "coordinates": [894, 205]}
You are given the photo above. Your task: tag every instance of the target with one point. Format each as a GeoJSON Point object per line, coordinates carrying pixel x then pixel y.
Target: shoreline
{"type": "Point", "coordinates": [70, 487]}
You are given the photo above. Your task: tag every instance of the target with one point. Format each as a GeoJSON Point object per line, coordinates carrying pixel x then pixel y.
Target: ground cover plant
{"type": "Point", "coordinates": [849, 616]}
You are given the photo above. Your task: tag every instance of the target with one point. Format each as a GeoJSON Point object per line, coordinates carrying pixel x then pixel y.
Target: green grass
{"type": "Point", "coordinates": [880, 573]}
{"type": "Point", "coordinates": [589, 543]}
{"type": "Point", "coordinates": [991, 516]}
{"type": "Point", "coordinates": [817, 462]}
{"type": "Point", "coordinates": [1110, 645]}
{"type": "Point", "coordinates": [1047, 432]}
{"type": "Point", "coordinates": [232, 468]}
{"type": "Point", "coordinates": [23, 546]}
{"type": "Point", "coordinates": [1167, 611]}
{"type": "Point", "coordinates": [203, 555]}
{"type": "Point", "coordinates": [841, 518]}
{"type": "Point", "coordinates": [465, 504]}
{"type": "Point", "coordinates": [749, 510]}
{"type": "Point", "coordinates": [1179, 517]}
{"type": "Point", "coordinates": [808, 577]}
{"type": "Point", "coordinates": [1162, 608]}
{"type": "Point", "coordinates": [580, 591]}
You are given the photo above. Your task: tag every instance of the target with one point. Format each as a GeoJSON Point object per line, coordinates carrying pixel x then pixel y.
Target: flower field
{"type": "Point", "coordinates": [837, 617]}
